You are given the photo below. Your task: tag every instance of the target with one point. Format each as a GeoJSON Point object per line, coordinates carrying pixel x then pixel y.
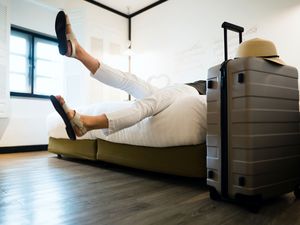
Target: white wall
{"type": "Point", "coordinates": [106, 37]}
{"type": "Point", "coordinates": [176, 41]}
{"type": "Point", "coordinates": [4, 64]}
{"type": "Point", "coordinates": [27, 121]}
{"type": "Point", "coordinates": [26, 125]}
{"type": "Point", "coordinates": [182, 39]}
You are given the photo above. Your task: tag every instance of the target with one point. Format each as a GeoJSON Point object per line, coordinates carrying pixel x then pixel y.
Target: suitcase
{"type": "Point", "coordinates": [253, 138]}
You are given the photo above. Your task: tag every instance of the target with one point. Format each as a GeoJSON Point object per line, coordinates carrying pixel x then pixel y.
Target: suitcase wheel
{"type": "Point", "coordinates": [253, 206]}
{"type": "Point", "coordinates": [297, 192]}
{"type": "Point", "coordinates": [213, 194]}
{"type": "Point", "coordinates": [251, 203]}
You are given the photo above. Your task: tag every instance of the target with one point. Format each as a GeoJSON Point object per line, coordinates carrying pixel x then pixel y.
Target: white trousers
{"type": "Point", "coordinates": [150, 100]}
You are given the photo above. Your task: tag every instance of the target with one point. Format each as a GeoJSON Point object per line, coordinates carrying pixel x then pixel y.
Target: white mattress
{"type": "Point", "coordinates": [182, 123]}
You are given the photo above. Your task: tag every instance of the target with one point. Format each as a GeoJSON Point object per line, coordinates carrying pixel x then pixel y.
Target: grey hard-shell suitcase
{"type": "Point", "coordinates": [253, 138]}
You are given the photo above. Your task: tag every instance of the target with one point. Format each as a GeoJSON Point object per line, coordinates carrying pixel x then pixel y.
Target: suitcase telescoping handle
{"type": "Point", "coordinates": [224, 109]}
{"type": "Point", "coordinates": [229, 26]}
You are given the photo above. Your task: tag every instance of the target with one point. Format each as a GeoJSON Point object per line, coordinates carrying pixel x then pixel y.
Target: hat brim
{"type": "Point", "coordinates": [276, 60]}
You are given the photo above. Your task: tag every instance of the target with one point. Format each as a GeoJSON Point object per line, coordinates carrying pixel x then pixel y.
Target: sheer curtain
{"type": "Point", "coordinates": [4, 62]}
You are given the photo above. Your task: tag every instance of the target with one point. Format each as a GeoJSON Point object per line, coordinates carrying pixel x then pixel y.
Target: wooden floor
{"type": "Point", "coordinates": [37, 188]}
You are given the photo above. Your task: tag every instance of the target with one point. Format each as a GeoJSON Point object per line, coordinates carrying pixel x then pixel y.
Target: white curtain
{"type": "Point", "coordinates": [4, 65]}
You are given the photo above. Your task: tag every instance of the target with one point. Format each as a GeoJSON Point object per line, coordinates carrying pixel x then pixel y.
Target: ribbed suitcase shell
{"type": "Point", "coordinates": [263, 146]}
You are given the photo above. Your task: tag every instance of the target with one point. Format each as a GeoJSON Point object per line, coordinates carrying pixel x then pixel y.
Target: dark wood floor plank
{"type": "Point", "coordinates": [38, 188]}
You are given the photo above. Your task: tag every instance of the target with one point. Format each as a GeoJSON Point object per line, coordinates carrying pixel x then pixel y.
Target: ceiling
{"type": "Point", "coordinates": [127, 6]}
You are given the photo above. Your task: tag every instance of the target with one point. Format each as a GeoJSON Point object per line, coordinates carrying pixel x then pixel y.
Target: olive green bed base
{"type": "Point", "coordinates": [187, 161]}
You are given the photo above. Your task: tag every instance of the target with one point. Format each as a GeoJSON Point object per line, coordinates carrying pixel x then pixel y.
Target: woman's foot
{"type": "Point", "coordinates": [73, 45]}
{"type": "Point", "coordinates": [76, 120]}
{"type": "Point", "coordinates": [82, 123]}
{"type": "Point", "coordinates": [75, 124]}
{"type": "Point", "coordinates": [71, 112]}
{"type": "Point", "coordinates": [69, 46]}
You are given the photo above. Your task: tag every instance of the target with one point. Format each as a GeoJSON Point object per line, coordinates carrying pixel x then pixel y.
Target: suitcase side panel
{"type": "Point", "coordinates": [263, 128]}
{"type": "Point", "coordinates": [213, 139]}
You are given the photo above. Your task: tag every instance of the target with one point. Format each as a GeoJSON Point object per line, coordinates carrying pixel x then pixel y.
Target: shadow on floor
{"type": "Point", "coordinates": [197, 183]}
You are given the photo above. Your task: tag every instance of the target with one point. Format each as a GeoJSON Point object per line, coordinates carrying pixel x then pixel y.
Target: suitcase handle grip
{"type": "Point", "coordinates": [232, 27]}
{"type": "Point", "coordinates": [229, 26]}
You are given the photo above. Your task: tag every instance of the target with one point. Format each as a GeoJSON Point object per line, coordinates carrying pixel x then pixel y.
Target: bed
{"type": "Point", "coordinates": [171, 142]}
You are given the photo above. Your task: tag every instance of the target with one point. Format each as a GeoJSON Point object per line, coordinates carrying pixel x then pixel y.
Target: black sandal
{"type": "Point", "coordinates": [58, 107]}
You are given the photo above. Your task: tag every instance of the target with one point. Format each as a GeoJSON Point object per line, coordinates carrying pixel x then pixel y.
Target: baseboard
{"type": "Point", "coordinates": [25, 148]}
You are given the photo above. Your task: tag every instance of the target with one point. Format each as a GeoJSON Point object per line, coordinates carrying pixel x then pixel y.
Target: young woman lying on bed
{"type": "Point", "coordinates": [150, 100]}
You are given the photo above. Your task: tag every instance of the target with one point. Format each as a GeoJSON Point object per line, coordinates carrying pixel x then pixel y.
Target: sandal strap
{"type": "Point", "coordinates": [65, 108]}
{"type": "Point", "coordinates": [75, 121]}
{"type": "Point", "coordinates": [71, 37]}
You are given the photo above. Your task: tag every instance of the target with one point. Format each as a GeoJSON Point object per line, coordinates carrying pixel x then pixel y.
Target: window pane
{"type": "Point", "coordinates": [19, 83]}
{"type": "Point", "coordinates": [45, 86]}
{"type": "Point", "coordinates": [18, 43]}
{"type": "Point", "coordinates": [18, 64]}
{"type": "Point", "coordinates": [48, 68]}
{"type": "Point", "coordinates": [48, 64]}
{"type": "Point", "coordinates": [47, 50]}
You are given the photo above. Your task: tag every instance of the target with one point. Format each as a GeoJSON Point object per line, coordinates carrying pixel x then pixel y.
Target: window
{"type": "Point", "coordinates": [35, 65]}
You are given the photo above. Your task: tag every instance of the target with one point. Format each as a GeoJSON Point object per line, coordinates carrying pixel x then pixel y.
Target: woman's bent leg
{"type": "Point", "coordinates": [136, 112]}
{"type": "Point", "coordinates": [146, 107]}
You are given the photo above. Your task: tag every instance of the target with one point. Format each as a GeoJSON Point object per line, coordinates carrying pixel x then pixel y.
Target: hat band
{"type": "Point", "coordinates": [269, 56]}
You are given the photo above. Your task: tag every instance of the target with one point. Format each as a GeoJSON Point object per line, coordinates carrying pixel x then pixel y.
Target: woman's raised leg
{"type": "Point", "coordinates": [128, 82]}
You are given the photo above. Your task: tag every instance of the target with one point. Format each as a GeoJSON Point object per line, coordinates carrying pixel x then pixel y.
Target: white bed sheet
{"type": "Point", "coordinates": [182, 123]}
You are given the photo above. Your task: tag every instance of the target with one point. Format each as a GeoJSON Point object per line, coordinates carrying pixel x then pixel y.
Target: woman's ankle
{"type": "Point", "coordinates": [79, 52]}
{"type": "Point", "coordinates": [86, 122]}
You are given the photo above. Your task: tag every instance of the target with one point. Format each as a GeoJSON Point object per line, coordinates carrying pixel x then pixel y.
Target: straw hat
{"type": "Point", "coordinates": [259, 48]}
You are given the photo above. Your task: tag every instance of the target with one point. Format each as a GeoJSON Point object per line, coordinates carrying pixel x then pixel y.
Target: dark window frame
{"type": "Point", "coordinates": [33, 35]}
